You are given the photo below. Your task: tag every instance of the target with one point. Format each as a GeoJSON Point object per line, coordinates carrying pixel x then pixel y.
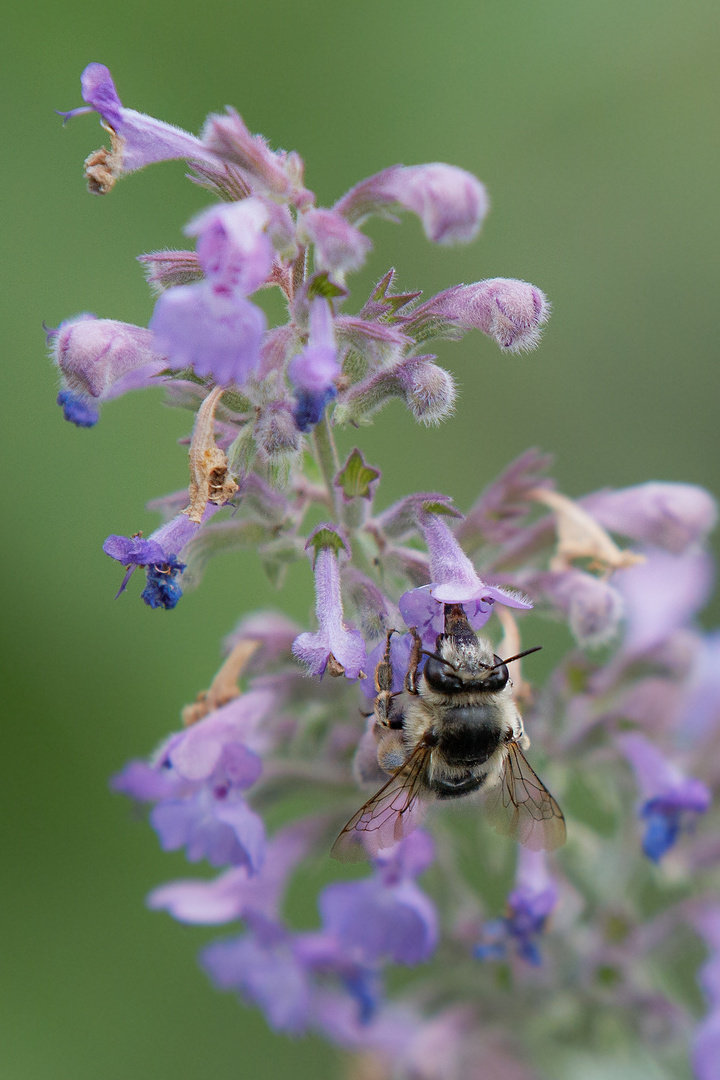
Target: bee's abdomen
{"type": "Point", "coordinates": [470, 735]}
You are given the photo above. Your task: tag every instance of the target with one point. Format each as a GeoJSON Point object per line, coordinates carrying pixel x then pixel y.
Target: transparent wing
{"type": "Point", "coordinates": [519, 805]}
{"type": "Point", "coordinates": [393, 812]}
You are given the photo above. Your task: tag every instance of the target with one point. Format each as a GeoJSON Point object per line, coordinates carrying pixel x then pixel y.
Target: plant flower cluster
{"type": "Point", "coordinates": [628, 723]}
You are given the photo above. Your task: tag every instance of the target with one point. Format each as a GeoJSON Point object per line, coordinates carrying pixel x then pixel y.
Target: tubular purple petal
{"type": "Point", "coordinates": [142, 139]}
{"type": "Point", "coordinates": [333, 638]}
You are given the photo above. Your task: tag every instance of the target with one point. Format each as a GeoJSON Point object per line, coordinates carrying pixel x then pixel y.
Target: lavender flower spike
{"type": "Point", "coordinates": [670, 798]}
{"type": "Point", "coordinates": [137, 140]}
{"type": "Point", "coordinates": [334, 646]}
{"type": "Point", "coordinates": [450, 202]}
{"type": "Point", "coordinates": [509, 311]}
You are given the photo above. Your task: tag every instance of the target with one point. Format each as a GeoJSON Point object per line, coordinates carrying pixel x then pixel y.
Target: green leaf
{"type": "Point", "coordinates": [321, 285]}
{"type": "Point", "coordinates": [355, 478]}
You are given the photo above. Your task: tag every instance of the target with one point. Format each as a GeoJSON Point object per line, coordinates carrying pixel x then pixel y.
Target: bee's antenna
{"type": "Point", "coordinates": [519, 656]}
{"type": "Point", "coordinates": [436, 656]}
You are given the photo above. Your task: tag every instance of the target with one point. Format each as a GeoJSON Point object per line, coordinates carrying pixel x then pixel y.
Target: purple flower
{"type": "Point", "coordinates": [101, 359]}
{"type": "Point", "coordinates": [238, 893]}
{"type": "Point", "coordinates": [454, 581]}
{"type": "Point", "coordinates": [509, 311]}
{"type": "Point", "coordinates": [203, 812]}
{"type": "Point", "coordinates": [217, 335]}
{"type": "Point", "coordinates": [314, 371]}
{"type": "Point", "coordinates": [233, 247]}
{"type": "Point", "coordinates": [163, 569]}
{"type": "Point", "coordinates": [158, 554]}
{"type": "Point", "coordinates": [670, 799]}
{"type": "Point", "coordinates": [662, 595]}
{"type": "Point", "coordinates": [283, 972]}
{"type": "Point", "coordinates": [386, 917]}
{"type": "Point", "coordinates": [340, 248]}
{"type": "Point", "coordinates": [196, 752]}
{"type": "Point", "coordinates": [334, 643]}
{"type": "Point", "coordinates": [265, 971]}
{"type": "Point", "coordinates": [140, 140]}
{"type": "Point", "coordinates": [211, 326]}
{"type": "Point", "coordinates": [529, 906]}
{"type": "Point", "coordinates": [215, 825]}
{"type": "Point", "coordinates": [450, 202]}
{"type": "Point", "coordinates": [670, 516]}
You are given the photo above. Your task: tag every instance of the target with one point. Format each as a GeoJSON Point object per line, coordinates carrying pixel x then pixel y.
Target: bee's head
{"type": "Point", "coordinates": [463, 662]}
{"type": "Point", "coordinates": [460, 668]}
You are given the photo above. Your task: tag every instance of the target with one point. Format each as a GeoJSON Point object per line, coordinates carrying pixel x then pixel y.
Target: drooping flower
{"type": "Point", "coordinates": [138, 140]}
{"type": "Point", "coordinates": [340, 248]}
{"type": "Point", "coordinates": [454, 581]}
{"type": "Point", "coordinates": [509, 311]}
{"type": "Point", "coordinates": [529, 906]}
{"type": "Point", "coordinates": [450, 202]}
{"type": "Point", "coordinates": [159, 555]}
{"type": "Point", "coordinates": [101, 359]}
{"type": "Point", "coordinates": [671, 801]}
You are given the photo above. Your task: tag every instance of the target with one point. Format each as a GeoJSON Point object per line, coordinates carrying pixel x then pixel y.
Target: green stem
{"type": "Point", "coordinates": [327, 459]}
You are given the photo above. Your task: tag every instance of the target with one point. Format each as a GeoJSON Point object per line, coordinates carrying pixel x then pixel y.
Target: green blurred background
{"type": "Point", "coordinates": [594, 126]}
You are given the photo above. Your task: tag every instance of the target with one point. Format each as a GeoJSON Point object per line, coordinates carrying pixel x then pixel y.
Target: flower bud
{"type": "Point", "coordinates": [450, 202]}
{"type": "Point", "coordinates": [339, 246]}
{"type": "Point", "coordinates": [137, 139]}
{"type": "Point", "coordinates": [510, 311]}
{"type": "Point", "coordinates": [429, 389]}
{"type": "Point", "coordinates": [275, 430]}
{"type": "Point", "coordinates": [277, 174]}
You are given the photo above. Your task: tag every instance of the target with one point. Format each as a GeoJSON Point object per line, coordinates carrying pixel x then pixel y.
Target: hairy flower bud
{"type": "Point", "coordinates": [509, 311]}
{"type": "Point", "coordinates": [275, 430]}
{"type": "Point", "coordinates": [339, 246]}
{"type": "Point", "coordinates": [450, 202]}
{"type": "Point", "coordinates": [429, 389]}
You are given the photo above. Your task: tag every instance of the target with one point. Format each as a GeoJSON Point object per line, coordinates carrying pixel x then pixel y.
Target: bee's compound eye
{"type": "Point", "coordinates": [441, 677]}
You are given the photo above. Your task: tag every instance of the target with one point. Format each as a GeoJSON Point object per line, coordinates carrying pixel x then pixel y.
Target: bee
{"type": "Point", "coordinates": [453, 729]}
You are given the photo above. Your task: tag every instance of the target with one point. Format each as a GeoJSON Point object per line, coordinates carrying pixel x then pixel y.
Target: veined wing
{"type": "Point", "coordinates": [519, 805]}
{"type": "Point", "coordinates": [393, 812]}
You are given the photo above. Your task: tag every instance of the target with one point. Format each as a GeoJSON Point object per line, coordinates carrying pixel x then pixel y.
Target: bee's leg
{"type": "Point", "coordinates": [415, 654]}
{"type": "Point", "coordinates": [383, 685]}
